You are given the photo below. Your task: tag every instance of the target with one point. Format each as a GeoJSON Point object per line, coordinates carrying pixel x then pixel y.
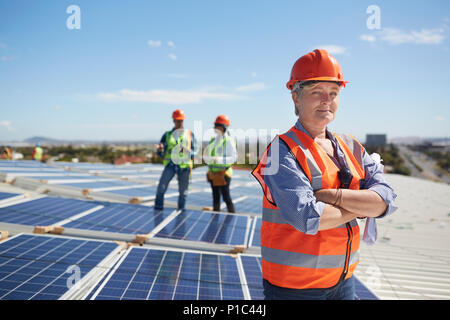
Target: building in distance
{"type": "Point", "coordinates": [376, 140]}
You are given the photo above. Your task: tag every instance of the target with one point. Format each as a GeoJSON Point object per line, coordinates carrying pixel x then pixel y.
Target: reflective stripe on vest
{"type": "Point", "coordinates": [183, 159]}
{"type": "Point", "coordinates": [291, 258]}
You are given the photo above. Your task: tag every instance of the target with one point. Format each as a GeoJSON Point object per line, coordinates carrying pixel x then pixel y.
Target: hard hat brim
{"type": "Point", "coordinates": [290, 84]}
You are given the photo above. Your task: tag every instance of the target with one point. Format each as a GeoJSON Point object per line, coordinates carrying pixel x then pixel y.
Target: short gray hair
{"type": "Point", "coordinates": [298, 87]}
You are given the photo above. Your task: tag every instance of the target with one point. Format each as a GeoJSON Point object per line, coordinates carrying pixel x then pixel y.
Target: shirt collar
{"type": "Point", "coordinates": [341, 158]}
{"type": "Point", "coordinates": [328, 133]}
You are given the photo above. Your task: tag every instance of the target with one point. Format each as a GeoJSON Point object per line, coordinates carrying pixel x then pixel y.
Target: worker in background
{"type": "Point", "coordinates": [219, 155]}
{"type": "Point", "coordinates": [176, 147]}
{"type": "Point", "coordinates": [7, 154]}
{"type": "Point", "coordinates": [316, 183]}
{"type": "Point", "coordinates": [37, 152]}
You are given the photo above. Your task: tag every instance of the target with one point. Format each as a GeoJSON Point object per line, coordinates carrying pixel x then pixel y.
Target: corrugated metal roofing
{"type": "Point", "coordinates": [411, 259]}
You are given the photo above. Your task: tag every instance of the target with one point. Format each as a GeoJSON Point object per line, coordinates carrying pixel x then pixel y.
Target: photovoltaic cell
{"type": "Point", "coordinates": [44, 211]}
{"type": "Point", "coordinates": [122, 218]}
{"type": "Point", "coordinates": [167, 275]}
{"type": "Point", "coordinates": [206, 226]}
{"type": "Point", "coordinates": [35, 267]}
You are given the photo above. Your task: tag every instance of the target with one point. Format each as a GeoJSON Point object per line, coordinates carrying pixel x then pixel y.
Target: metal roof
{"type": "Point", "coordinates": [411, 259]}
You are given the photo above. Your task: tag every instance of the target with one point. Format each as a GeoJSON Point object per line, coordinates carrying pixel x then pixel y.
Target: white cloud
{"type": "Point", "coordinates": [257, 86]}
{"type": "Point", "coordinates": [2, 45]}
{"type": "Point", "coordinates": [154, 43]}
{"type": "Point", "coordinates": [57, 108]}
{"type": "Point", "coordinates": [166, 96]}
{"type": "Point", "coordinates": [439, 118]}
{"type": "Point", "coordinates": [368, 37]}
{"type": "Point", "coordinates": [172, 56]}
{"type": "Point", "coordinates": [253, 74]}
{"type": "Point", "coordinates": [7, 125]}
{"type": "Point", "coordinates": [333, 49]}
{"type": "Point", "coordinates": [396, 36]}
{"type": "Point", "coordinates": [171, 44]}
{"type": "Point", "coordinates": [115, 125]}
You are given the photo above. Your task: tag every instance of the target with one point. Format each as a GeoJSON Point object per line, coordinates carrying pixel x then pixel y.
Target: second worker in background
{"type": "Point", "coordinates": [177, 150]}
{"type": "Point", "coordinates": [219, 155]}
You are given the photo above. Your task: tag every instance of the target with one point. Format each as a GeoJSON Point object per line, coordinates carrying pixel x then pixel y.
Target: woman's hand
{"type": "Point", "coordinates": [329, 196]}
{"type": "Point", "coordinates": [365, 203]}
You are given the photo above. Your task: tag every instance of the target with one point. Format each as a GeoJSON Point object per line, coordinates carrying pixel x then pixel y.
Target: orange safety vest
{"type": "Point", "coordinates": [291, 258]}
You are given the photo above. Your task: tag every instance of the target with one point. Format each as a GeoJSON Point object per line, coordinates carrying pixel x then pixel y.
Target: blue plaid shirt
{"type": "Point", "coordinates": [294, 196]}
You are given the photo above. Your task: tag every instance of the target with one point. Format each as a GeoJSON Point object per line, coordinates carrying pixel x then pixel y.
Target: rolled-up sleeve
{"type": "Point", "coordinates": [293, 194]}
{"type": "Point", "coordinates": [376, 181]}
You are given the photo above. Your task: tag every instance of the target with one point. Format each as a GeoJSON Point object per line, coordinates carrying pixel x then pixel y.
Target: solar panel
{"type": "Point", "coordinates": [44, 211]}
{"type": "Point", "coordinates": [253, 274]}
{"type": "Point", "coordinates": [168, 275]}
{"type": "Point", "coordinates": [136, 192]}
{"type": "Point", "coordinates": [254, 191]}
{"type": "Point", "coordinates": [249, 204]}
{"type": "Point", "coordinates": [122, 218]}
{"type": "Point", "coordinates": [206, 226]}
{"type": "Point", "coordinates": [36, 266]}
{"type": "Point", "coordinates": [6, 195]}
{"type": "Point", "coordinates": [98, 184]}
{"type": "Point", "coordinates": [198, 199]}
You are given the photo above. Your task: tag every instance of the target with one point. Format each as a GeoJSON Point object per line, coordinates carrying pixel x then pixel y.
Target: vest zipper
{"type": "Point", "coordinates": [348, 250]}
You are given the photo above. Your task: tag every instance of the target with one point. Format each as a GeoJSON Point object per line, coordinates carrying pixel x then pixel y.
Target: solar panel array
{"type": "Point", "coordinates": [40, 267]}
{"type": "Point", "coordinates": [190, 254]}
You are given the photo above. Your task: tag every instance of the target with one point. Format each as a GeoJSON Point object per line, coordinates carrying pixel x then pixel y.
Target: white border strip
{"type": "Point", "coordinates": [77, 216]}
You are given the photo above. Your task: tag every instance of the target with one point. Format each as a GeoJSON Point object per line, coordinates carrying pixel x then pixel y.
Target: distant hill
{"type": "Point", "coordinates": [418, 140]}
{"type": "Point", "coordinates": [54, 142]}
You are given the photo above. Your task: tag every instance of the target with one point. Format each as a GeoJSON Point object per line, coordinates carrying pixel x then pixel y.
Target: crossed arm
{"type": "Point", "coordinates": [350, 204]}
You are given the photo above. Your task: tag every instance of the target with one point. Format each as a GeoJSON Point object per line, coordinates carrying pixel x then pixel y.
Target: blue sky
{"type": "Point", "coordinates": [132, 63]}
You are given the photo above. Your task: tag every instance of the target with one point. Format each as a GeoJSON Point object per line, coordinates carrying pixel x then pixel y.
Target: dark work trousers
{"type": "Point", "coordinates": [225, 191]}
{"type": "Point", "coordinates": [345, 290]}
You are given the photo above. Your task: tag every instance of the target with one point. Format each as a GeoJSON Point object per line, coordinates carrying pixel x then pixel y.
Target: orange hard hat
{"type": "Point", "coordinates": [222, 119]}
{"type": "Point", "coordinates": [178, 115]}
{"type": "Point", "coordinates": [316, 65]}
